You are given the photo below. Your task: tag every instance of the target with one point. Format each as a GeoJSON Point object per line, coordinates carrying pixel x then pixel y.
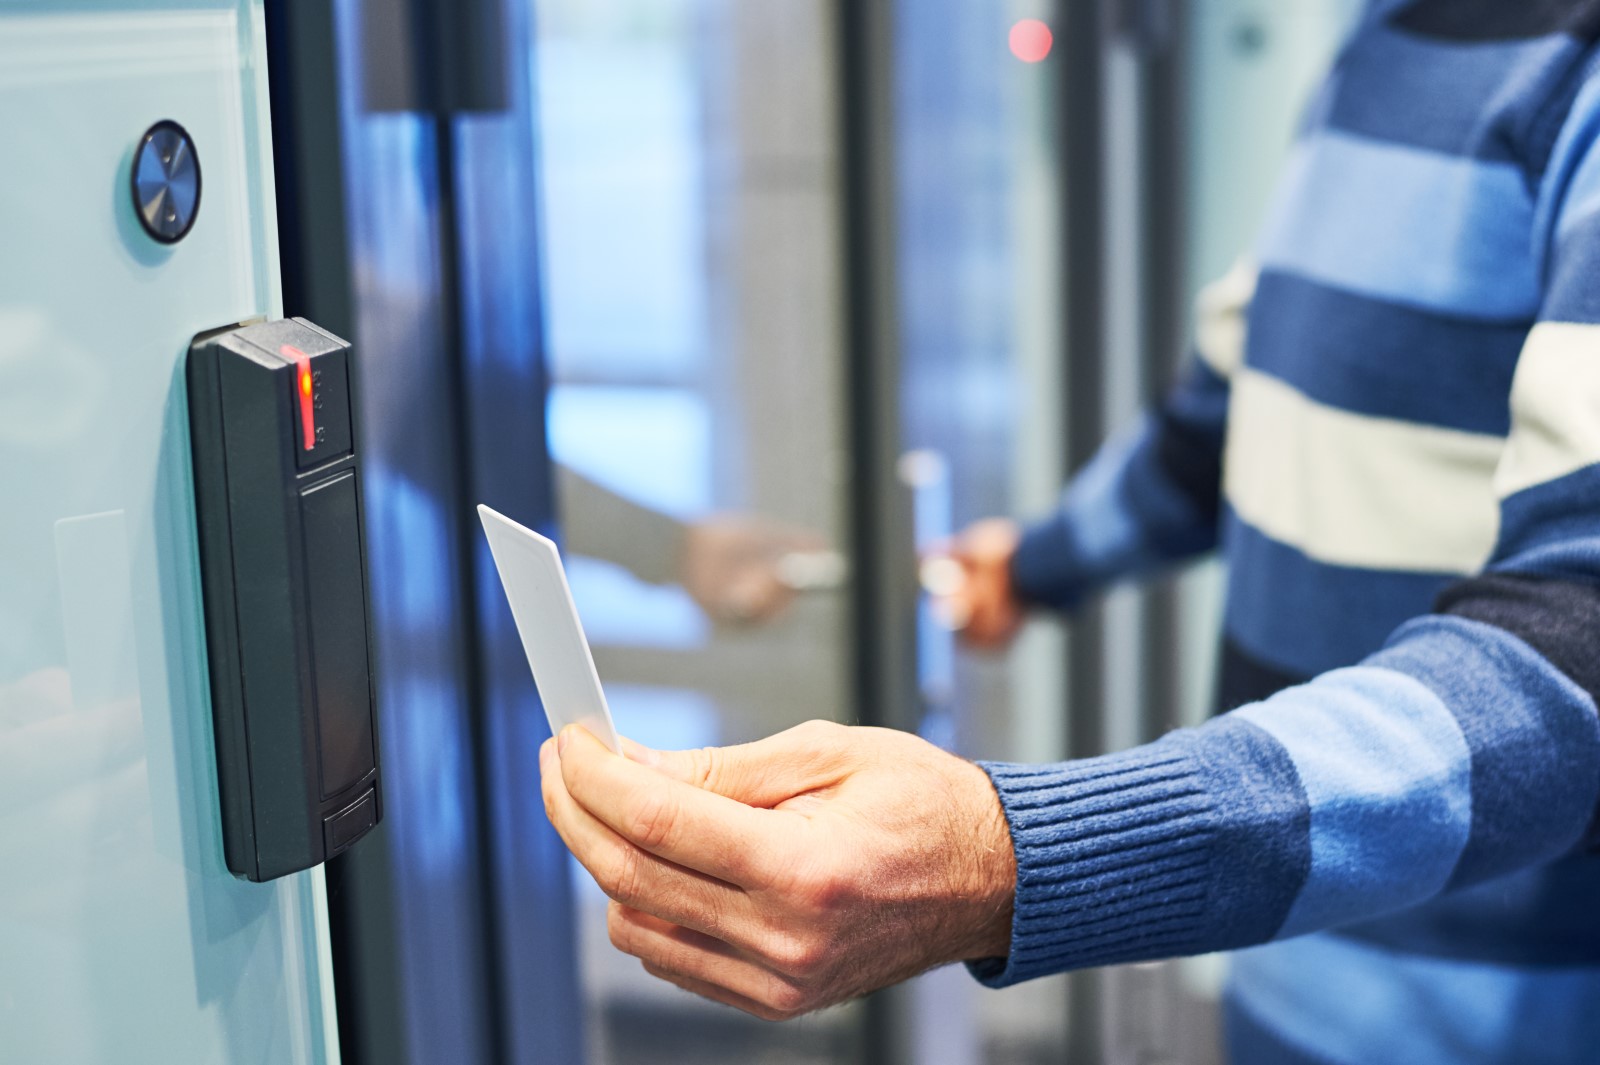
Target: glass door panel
{"type": "Point", "coordinates": [974, 190]}
{"type": "Point", "coordinates": [123, 937]}
{"type": "Point", "coordinates": [694, 328]}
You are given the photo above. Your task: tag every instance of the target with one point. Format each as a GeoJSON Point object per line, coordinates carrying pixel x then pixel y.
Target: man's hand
{"type": "Point", "coordinates": [984, 600]}
{"type": "Point", "coordinates": [732, 566]}
{"type": "Point", "coordinates": [792, 873]}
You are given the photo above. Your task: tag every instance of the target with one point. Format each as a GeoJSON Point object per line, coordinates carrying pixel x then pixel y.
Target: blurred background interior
{"type": "Point", "coordinates": [748, 302]}
{"type": "Point", "coordinates": [800, 286]}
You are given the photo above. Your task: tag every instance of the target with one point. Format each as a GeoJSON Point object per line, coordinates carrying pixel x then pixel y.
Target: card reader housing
{"type": "Point", "coordinates": [284, 574]}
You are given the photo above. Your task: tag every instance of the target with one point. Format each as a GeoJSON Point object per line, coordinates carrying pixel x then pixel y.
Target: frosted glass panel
{"type": "Point", "coordinates": [123, 938]}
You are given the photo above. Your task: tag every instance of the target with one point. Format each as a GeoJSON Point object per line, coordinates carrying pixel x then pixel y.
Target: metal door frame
{"type": "Point", "coordinates": [465, 66]}
{"type": "Point", "coordinates": [1089, 33]}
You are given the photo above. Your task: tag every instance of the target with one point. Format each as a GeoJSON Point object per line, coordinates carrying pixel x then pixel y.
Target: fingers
{"type": "Point", "coordinates": [686, 825]}
{"type": "Point", "coordinates": [764, 774]}
{"type": "Point", "coordinates": [993, 618]}
{"type": "Point", "coordinates": [647, 756]}
{"type": "Point", "coordinates": [636, 877]}
{"type": "Point", "coordinates": [715, 969]}
{"type": "Point", "coordinates": [716, 994]}
{"type": "Point", "coordinates": [986, 602]}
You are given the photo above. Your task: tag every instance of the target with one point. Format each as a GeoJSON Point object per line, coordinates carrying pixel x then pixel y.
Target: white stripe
{"type": "Point", "coordinates": [1355, 490]}
{"type": "Point", "coordinates": [1555, 407]}
{"type": "Point", "coordinates": [1220, 316]}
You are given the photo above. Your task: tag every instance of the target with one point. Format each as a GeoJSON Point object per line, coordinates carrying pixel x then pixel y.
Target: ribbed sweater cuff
{"type": "Point", "coordinates": [1113, 859]}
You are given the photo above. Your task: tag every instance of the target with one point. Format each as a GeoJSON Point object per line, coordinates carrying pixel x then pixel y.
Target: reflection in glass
{"type": "Point", "coordinates": [123, 937]}
{"type": "Point", "coordinates": [690, 263]}
{"type": "Point", "coordinates": [973, 194]}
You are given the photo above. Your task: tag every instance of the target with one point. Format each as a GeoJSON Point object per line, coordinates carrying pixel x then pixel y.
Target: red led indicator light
{"type": "Point", "coordinates": [308, 410]}
{"type": "Point", "coordinates": [1030, 40]}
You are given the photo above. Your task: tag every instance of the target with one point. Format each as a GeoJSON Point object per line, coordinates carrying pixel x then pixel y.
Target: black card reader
{"type": "Point", "coordinates": [284, 573]}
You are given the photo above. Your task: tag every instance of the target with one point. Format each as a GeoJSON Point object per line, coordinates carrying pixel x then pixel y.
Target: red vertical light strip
{"type": "Point", "coordinates": [303, 388]}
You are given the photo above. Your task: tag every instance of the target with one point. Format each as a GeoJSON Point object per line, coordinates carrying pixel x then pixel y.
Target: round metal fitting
{"type": "Point", "coordinates": [166, 181]}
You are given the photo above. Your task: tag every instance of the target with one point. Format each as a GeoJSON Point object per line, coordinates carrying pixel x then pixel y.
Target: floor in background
{"type": "Point", "coordinates": [646, 1034]}
{"type": "Point", "coordinates": [657, 1035]}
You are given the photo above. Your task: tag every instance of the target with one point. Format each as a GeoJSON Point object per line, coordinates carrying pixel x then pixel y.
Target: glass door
{"type": "Point", "coordinates": [694, 315]}
{"type": "Point", "coordinates": [123, 936]}
{"type": "Point", "coordinates": [405, 132]}
{"type": "Point", "coordinates": [1065, 176]}
{"type": "Point", "coordinates": [977, 297]}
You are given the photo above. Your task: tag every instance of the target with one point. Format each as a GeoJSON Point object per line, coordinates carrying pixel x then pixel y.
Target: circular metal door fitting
{"type": "Point", "coordinates": [166, 181]}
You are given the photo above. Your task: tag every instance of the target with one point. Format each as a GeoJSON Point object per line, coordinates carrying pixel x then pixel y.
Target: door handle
{"type": "Point", "coordinates": [926, 473]}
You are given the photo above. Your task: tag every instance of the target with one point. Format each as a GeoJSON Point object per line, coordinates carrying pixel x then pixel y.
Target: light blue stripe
{"type": "Point", "coordinates": [1416, 227]}
{"type": "Point", "coordinates": [1388, 776]}
{"type": "Point", "coordinates": [1348, 1003]}
{"type": "Point", "coordinates": [1570, 190]}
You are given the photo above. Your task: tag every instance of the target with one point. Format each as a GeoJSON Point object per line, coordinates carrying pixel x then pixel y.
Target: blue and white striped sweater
{"type": "Point", "coordinates": [1398, 452]}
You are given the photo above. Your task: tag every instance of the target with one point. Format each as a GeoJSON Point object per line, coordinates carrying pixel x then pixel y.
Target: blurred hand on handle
{"type": "Point", "coordinates": [970, 582]}
{"type": "Point", "coordinates": [744, 570]}
{"type": "Point", "coordinates": [792, 873]}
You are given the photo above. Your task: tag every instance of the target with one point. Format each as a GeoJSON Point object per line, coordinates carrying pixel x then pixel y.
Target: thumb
{"type": "Point", "coordinates": [764, 773]}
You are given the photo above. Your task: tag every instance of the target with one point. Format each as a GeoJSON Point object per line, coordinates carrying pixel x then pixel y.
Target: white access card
{"type": "Point", "coordinates": [547, 620]}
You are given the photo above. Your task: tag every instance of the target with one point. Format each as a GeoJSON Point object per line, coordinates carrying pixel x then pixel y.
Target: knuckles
{"type": "Point", "coordinates": [801, 957]}
{"type": "Point", "coordinates": [818, 892]}
{"type": "Point", "coordinates": [621, 931]}
{"type": "Point", "coordinates": [789, 1000]}
{"type": "Point", "coordinates": [820, 731]}
{"type": "Point", "coordinates": [620, 875]}
{"type": "Point", "coordinates": [654, 813]}
{"type": "Point", "coordinates": [703, 763]}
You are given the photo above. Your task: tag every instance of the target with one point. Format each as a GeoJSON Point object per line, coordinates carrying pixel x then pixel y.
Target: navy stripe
{"type": "Point", "coordinates": [1255, 873]}
{"type": "Point", "coordinates": [1306, 617]}
{"type": "Point", "coordinates": [1189, 434]}
{"type": "Point", "coordinates": [1498, 20]}
{"type": "Point", "coordinates": [1122, 515]}
{"type": "Point", "coordinates": [1532, 733]}
{"type": "Point", "coordinates": [1551, 529]}
{"type": "Point", "coordinates": [1559, 619]}
{"type": "Point", "coordinates": [1373, 357]}
{"type": "Point", "coordinates": [1242, 678]}
{"type": "Point", "coordinates": [1544, 916]}
{"type": "Point", "coordinates": [1437, 95]}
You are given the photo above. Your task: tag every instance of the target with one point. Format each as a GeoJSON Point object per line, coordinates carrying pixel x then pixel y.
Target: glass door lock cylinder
{"type": "Point", "coordinates": [278, 499]}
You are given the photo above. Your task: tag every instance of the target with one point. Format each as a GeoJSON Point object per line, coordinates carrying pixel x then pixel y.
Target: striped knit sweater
{"type": "Point", "coordinates": [1396, 447]}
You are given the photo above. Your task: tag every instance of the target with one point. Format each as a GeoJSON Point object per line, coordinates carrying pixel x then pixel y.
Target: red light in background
{"type": "Point", "coordinates": [308, 407]}
{"type": "Point", "coordinates": [1030, 40]}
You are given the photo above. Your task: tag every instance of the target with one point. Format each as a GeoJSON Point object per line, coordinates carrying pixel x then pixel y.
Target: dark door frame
{"type": "Point", "coordinates": [461, 68]}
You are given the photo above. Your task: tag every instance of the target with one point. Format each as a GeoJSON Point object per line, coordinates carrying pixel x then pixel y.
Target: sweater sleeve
{"type": "Point", "coordinates": [1467, 748]}
{"type": "Point", "coordinates": [1150, 497]}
